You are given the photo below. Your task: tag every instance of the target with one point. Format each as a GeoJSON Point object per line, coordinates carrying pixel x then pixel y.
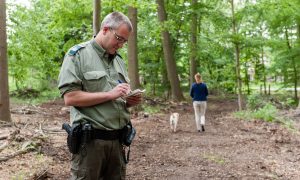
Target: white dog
{"type": "Point", "coordinates": [173, 121]}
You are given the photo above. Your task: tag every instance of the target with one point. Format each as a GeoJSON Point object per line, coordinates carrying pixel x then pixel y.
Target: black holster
{"type": "Point", "coordinates": [128, 134]}
{"type": "Point", "coordinates": [74, 137]}
{"type": "Point", "coordinates": [126, 138]}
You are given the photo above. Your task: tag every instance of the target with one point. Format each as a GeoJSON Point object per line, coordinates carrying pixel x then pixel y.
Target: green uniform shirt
{"type": "Point", "coordinates": [88, 68]}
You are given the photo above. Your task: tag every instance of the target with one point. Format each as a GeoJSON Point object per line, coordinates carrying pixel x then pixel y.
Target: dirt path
{"type": "Point", "coordinates": [228, 149]}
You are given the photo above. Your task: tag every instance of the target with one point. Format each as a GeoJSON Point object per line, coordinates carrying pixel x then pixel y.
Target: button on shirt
{"type": "Point", "coordinates": [90, 69]}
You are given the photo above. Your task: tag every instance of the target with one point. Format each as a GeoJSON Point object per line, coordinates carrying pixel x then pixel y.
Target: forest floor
{"type": "Point", "coordinates": [228, 149]}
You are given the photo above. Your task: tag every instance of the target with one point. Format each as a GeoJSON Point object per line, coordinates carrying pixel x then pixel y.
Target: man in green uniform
{"type": "Point", "coordinates": [93, 80]}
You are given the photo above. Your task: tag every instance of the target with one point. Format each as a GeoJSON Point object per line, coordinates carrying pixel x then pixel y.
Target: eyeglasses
{"type": "Point", "coordinates": [119, 38]}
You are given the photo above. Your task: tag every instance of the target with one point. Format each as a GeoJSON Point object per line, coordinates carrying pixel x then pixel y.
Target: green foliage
{"type": "Point", "coordinates": [151, 109]}
{"type": "Point", "coordinates": [32, 96]}
{"type": "Point", "coordinates": [266, 113]}
{"type": "Point", "coordinates": [244, 115]}
{"type": "Point", "coordinates": [256, 101]}
{"type": "Point", "coordinates": [279, 100]}
{"type": "Point", "coordinates": [290, 102]}
{"type": "Point", "coordinates": [40, 35]}
{"type": "Point", "coordinates": [228, 86]}
{"type": "Point", "coordinates": [19, 176]}
{"type": "Point", "coordinates": [289, 124]}
{"type": "Point", "coordinates": [38, 40]}
{"type": "Point", "coordinates": [31, 48]}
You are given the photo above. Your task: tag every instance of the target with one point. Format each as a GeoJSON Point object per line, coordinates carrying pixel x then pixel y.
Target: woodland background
{"type": "Point", "coordinates": [248, 48]}
{"type": "Point", "coordinates": [247, 51]}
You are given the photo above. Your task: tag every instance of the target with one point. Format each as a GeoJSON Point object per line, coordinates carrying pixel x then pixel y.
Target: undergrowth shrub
{"type": "Point", "coordinates": [33, 96]}
{"type": "Point", "coordinates": [266, 113]}
{"type": "Point", "coordinates": [151, 109]}
{"type": "Point", "coordinates": [280, 101]}
{"type": "Point", "coordinates": [256, 101]}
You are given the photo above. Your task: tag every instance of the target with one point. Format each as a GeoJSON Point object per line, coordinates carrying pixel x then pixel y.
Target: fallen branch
{"type": "Point", "coordinates": [4, 136]}
{"type": "Point", "coordinates": [41, 130]}
{"type": "Point", "coordinates": [27, 147]}
{"type": "Point", "coordinates": [4, 145]}
{"type": "Point", "coordinates": [5, 124]}
{"type": "Point", "coordinates": [25, 125]}
{"type": "Point", "coordinates": [53, 131]}
{"type": "Point", "coordinates": [9, 138]}
{"type": "Point", "coordinates": [13, 134]}
{"type": "Point", "coordinates": [7, 157]}
{"type": "Point", "coordinates": [28, 110]}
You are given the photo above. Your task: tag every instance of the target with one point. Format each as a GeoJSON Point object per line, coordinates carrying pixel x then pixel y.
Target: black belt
{"type": "Point", "coordinates": [106, 135]}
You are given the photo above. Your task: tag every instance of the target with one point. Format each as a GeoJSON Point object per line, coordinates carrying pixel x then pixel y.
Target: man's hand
{"type": "Point", "coordinates": [120, 90]}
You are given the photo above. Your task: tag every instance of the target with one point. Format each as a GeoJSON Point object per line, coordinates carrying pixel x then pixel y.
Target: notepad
{"type": "Point", "coordinates": [135, 92]}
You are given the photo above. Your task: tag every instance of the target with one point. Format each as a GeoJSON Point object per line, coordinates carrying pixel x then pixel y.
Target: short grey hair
{"type": "Point", "coordinates": [115, 20]}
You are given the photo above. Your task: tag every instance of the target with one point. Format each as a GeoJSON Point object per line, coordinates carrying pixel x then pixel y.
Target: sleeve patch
{"type": "Point", "coordinates": [75, 49]}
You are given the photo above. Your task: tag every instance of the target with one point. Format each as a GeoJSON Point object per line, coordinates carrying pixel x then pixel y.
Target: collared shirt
{"type": "Point", "coordinates": [91, 69]}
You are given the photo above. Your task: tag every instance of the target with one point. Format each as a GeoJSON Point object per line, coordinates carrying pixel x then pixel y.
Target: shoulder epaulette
{"type": "Point", "coordinates": [75, 49]}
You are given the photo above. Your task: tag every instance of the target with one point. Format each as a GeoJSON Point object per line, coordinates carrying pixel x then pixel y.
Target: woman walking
{"type": "Point", "coordinates": [199, 94]}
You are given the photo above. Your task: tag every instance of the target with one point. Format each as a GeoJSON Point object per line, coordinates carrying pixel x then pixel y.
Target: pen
{"type": "Point", "coordinates": [120, 82]}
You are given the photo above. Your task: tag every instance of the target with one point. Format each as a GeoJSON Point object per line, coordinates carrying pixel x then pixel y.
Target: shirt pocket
{"type": "Point", "coordinates": [123, 77]}
{"type": "Point", "coordinates": [96, 81]}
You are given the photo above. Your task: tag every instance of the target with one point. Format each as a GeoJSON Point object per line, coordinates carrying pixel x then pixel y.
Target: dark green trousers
{"type": "Point", "coordinates": [99, 160]}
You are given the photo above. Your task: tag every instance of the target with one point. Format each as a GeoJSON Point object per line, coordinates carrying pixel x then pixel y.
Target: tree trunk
{"type": "Point", "coordinates": [237, 56]}
{"type": "Point", "coordinates": [247, 78]}
{"type": "Point", "coordinates": [263, 64]}
{"type": "Point", "coordinates": [96, 16]}
{"type": "Point", "coordinates": [263, 70]}
{"type": "Point", "coordinates": [168, 54]}
{"type": "Point", "coordinates": [295, 80]}
{"type": "Point", "coordinates": [294, 67]}
{"type": "Point", "coordinates": [165, 81]}
{"type": "Point", "coordinates": [4, 92]}
{"type": "Point", "coordinates": [194, 25]}
{"type": "Point", "coordinates": [133, 70]}
{"type": "Point", "coordinates": [298, 57]}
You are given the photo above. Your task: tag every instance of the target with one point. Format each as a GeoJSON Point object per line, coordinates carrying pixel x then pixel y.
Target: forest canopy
{"type": "Point", "coordinates": [266, 34]}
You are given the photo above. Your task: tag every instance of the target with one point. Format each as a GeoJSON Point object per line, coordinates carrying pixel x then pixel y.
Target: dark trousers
{"type": "Point", "coordinates": [99, 160]}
